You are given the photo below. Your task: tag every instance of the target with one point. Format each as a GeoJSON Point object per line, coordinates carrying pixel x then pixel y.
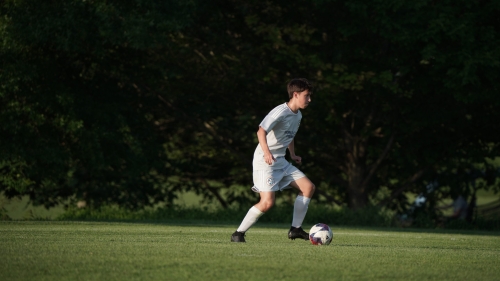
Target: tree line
{"type": "Point", "coordinates": [129, 102]}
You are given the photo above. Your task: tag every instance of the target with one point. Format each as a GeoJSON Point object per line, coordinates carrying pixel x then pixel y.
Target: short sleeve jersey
{"type": "Point", "coordinates": [281, 125]}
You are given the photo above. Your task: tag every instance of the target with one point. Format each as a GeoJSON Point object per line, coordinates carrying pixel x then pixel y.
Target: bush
{"type": "Point", "coordinates": [370, 216]}
{"type": "Point", "coordinates": [278, 214]}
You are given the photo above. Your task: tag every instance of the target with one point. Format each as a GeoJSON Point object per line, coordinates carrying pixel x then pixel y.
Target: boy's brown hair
{"type": "Point", "coordinates": [298, 85]}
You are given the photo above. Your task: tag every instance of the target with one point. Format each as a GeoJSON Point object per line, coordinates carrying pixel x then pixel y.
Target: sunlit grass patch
{"type": "Point", "coordinates": [196, 251]}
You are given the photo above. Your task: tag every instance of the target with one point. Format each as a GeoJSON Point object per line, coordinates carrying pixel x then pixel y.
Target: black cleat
{"type": "Point", "coordinates": [297, 233]}
{"type": "Point", "coordinates": [238, 237]}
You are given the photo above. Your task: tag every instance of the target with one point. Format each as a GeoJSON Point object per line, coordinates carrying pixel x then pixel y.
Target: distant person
{"type": "Point", "coordinates": [271, 171]}
{"type": "Point", "coordinates": [459, 206]}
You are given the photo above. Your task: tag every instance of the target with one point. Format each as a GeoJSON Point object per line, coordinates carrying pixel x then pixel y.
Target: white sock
{"type": "Point", "coordinates": [300, 210]}
{"type": "Point", "coordinates": [252, 217]}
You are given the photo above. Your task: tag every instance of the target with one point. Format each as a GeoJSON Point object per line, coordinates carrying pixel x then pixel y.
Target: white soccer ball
{"type": "Point", "coordinates": [320, 234]}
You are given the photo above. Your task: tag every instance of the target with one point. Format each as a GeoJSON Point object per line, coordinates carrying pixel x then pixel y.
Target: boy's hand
{"type": "Point", "coordinates": [296, 158]}
{"type": "Point", "coordinates": [269, 158]}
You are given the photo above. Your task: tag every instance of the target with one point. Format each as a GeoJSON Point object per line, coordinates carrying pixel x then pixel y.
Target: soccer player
{"type": "Point", "coordinates": [271, 171]}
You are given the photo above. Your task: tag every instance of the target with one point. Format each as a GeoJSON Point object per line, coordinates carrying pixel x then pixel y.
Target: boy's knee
{"type": "Point", "coordinates": [266, 205]}
{"type": "Point", "coordinates": [266, 201]}
{"type": "Point", "coordinates": [309, 190]}
{"type": "Point", "coordinates": [313, 187]}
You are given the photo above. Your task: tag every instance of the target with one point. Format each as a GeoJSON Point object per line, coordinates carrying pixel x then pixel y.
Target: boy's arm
{"type": "Point", "coordinates": [291, 148]}
{"type": "Point", "coordinates": [261, 135]}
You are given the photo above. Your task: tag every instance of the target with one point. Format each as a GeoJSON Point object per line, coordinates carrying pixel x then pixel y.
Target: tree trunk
{"type": "Point", "coordinates": [356, 170]}
{"type": "Point", "coordinates": [356, 191]}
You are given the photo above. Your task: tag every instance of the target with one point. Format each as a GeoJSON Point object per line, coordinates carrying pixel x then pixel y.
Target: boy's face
{"type": "Point", "coordinates": [303, 98]}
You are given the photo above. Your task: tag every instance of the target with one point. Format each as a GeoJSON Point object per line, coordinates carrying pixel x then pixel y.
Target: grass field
{"type": "Point", "coordinates": [49, 250]}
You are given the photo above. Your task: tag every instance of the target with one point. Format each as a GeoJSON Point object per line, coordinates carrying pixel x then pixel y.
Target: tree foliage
{"type": "Point", "coordinates": [129, 102]}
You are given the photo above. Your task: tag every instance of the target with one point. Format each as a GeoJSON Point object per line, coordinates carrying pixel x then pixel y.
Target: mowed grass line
{"type": "Point", "coordinates": [32, 250]}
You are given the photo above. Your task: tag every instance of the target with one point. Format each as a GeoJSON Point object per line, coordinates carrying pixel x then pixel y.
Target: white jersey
{"type": "Point", "coordinates": [281, 125]}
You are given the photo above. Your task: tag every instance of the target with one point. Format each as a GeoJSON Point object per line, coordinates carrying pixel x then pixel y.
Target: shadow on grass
{"type": "Point", "coordinates": [372, 219]}
{"type": "Point", "coordinates": [232, 225]}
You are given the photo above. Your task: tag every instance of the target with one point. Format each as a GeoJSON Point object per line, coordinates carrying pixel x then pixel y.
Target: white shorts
{"type": "Point", "coordinates": [275, 177]}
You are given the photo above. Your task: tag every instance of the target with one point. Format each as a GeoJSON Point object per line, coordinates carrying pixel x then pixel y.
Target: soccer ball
{"type": "Point", "coordinates": [320, 234]}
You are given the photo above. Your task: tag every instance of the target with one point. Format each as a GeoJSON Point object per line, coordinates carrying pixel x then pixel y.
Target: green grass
{"type": "Point", "coordinates": [51, 250]}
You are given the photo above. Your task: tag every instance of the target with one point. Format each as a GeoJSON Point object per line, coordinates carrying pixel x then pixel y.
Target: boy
{"type": "Point", "coordinates": [271, 171]}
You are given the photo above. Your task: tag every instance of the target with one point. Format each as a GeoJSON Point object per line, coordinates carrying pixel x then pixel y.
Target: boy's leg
{"type": "Point", "coordinates": [306, 190]}
{"type": "Point", "coordinates": [305, 186]}
{"type": "Point", "coordinates": [265, 203]}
